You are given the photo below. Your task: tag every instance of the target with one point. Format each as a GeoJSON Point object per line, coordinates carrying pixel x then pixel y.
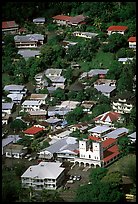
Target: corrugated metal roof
{"type": "Point", "coordinates": [7, 106]}
{"type": "Point", "coordinates": [33, 130]}
{"type": "Point", "coordinates": [105, 88]}
{"type": "Point", "coordinates": [50, 170]}
{"type": "Point", "coordinates": [8, 24]}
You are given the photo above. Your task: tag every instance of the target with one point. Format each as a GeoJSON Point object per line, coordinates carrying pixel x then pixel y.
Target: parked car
{"type": "Point", "coordinates": [71, 177]}
{"type": "Point", "coordinates": [78, 178]}
{"type": "Point", "coordinates": [74, 178]}
{"type": "Point", "coordinates": [70, 181]}
{"type": "Point", "coordinates": [27, 156]}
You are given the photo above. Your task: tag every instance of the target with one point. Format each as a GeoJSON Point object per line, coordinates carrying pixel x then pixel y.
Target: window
{"type": "Point", "coordinates": [89, 156]}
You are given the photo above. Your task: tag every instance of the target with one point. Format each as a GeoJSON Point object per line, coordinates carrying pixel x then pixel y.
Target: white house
{"type": "Point", "coordinates": [106, 89]}
{"type": "Point", "coordinates": [65, 149]}
{"type": "Point", "coordinates": [123, 104]}
{"type": "Point", "coordinates": [108, 82]}
{"type": "Point", "coordinates": [5, 118]}
{"type": "Point", "coordinates": [132, 42]}
{"type": "Point", "coordinates": [31, 105]}
{"type": "Point", "coordinates": [39, 97]}
{"type": "Point", "coordinates": [16, 98]}
{"type": "Point", "coordinates": [45, 175]}
{"type": "Point", "coordinates": [125, 60]}
{"type": "Point", "coordinates": [39, 21]}
{"type": "Point", "coordinates": [15, 151]}
{"type": "Point", "coordinates": [7, 107]}
{"type": "Point", "coordinates": [15, 89]}
{"type": "Point", "coordinates": [27, 53]}
{"type": "Point", "coordinates": [40, 81]}
{"type": "Point", "coordinates": [87, 35]}
{"type": "Point", "coordinates": [117, 29]}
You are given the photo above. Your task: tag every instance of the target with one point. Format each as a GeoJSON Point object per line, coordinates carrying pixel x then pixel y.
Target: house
{"type": "Point", "coordinates": [64, 149]}
{"type": "Point", "coordinates": [77, 20]}
{"type": "Point", "coordinates": [69, 104]}
{"type": "Point", "coordinates": [5, 118]}
{"type": "Point", "coordinates": [31, 105]}
{"type": "Point", "coordinates": [45, 175]}
{"type": "Point", "coordinates": [88, 105]}
{"type": "Point", "coordinates": [100, 131]}
{"type": "Point", "coordinates": [108, 82]}
{"type": "Point", "coordinates": [27, 53]}
{"type": "Point", "coordinates": [107, 118]}
{"type": "Point", "coordinates": [33, 131]}
{"type": "Point", "coordinates": [40, 81]}
{"type": "Point", "coordinates": [7, 107]}
{"type": "Point", "coordinates": [39, 97]}
{"type": "Point", "coordinates": [81, 126]}
{"type": "Point", "coordinates": [53, 121]}
{"type": "Point", "coordinates": [9, 27]}
{"type": "Point", "coordinates": [117, 29]}
{"type": "Point", "coordinates": [66, 44]}
{"type": "Point", "coordinates": [132, 42]}
{"type": "Point", "coordinates": [94, 152]}
{"type": "Point", "coordinates": [29, 40]}
{"type": "Point", "coordinates": [125, 60]}
{"type": "Point", "coordinates": [15, 89]}
{"type": "Point", "coordinates": [106, 90]}
{"type": "Point", "coordinates": [39, 21]}
{"type": "Point", "coordinates": [132, 137]}
{"type": "Point", "coordinates": [87, 35]}
{"type": "Point", "coordinates": [123, 103]}
{"type": "Point", "coordinates": [16, 98]}
{"type": "Point", "coordinates": [57, 110]}
{"type": "Point", "coordinates": [10, 139]}
{"type": "Point", "coordinates": [63, 20]}
{"type": "Point", "coordinates": [55, 77]}
{"type": "Point", "coordinates": [15, 151]}
{"type": "Point", "coordinates": [38, 114]}
{"type": "Point", "coordinates": [61, 135]}
{"type": "Point", "coordinates": [101, 73]}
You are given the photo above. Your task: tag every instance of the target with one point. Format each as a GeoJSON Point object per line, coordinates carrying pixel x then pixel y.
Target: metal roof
{"type": "Point", "coordinates": [7, 106]}
{"type": "Point", "coordinates": [13, 87]}
{"type": "Point", "coordinates": [50, 170]}
{"type": "Point", "coordinates": [105, 88]}
{"type": "Point", "coordinates": [99, 129]}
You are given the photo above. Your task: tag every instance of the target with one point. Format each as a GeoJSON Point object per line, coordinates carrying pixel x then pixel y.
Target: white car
{"type": "Point", "coordinates": [30, 159]}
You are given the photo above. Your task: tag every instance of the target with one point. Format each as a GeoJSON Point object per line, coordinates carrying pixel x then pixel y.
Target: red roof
{"type": "Point", "coordinates": [132, 39]}
{"type": "Point", "coordinates": [62, 18]}
{"type": "Point", "coordinates": [117, 28]}
{"type": "Point", "coordinates": [33, 130]}
{"type": "Point", "coordinates": [108, 116]}
{"type": "Point", "coordinates": [108, 142]}
{"type": "Point", "coordinates": [94, 138]}
{"type": "Point", "coordinates": [112, 152]}
{"type": "Point", "coordinates": [8, 24]}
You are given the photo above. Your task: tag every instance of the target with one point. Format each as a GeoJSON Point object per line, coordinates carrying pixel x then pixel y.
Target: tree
{"type": "Point", "coordinates": [75, 115]}
{"type": "Point", "coordinates": [18, 124]}
{"type": "Point", "coordinates": [98, 192]}
{"type": "Point", "coordinates": [59, 94]}
{"type": "Point", "coordinates": [114, 178]}
{"type": "Point", "coordinates": [123, 143]}
{"type": "Point", "coordinates": [97, 174]}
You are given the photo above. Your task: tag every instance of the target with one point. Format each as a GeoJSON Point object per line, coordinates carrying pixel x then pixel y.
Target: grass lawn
{"type": "Point", "coordinates": [122, 163]}
{"type": "Point", "coordinates": [101, 60]}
